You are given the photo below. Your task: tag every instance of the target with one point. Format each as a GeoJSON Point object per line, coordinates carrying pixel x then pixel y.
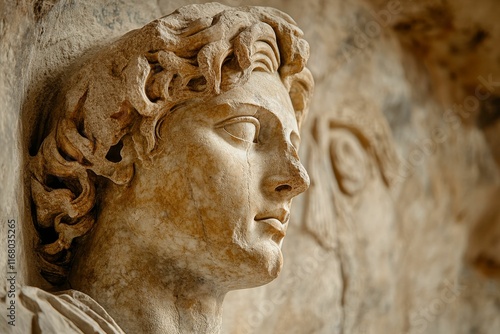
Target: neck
{"type": "Point", "coordinates": [149, 298]}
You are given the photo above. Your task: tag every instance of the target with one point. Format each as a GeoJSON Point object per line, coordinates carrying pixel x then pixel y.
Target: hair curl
{"type": "Point", "coordinates": [194, 53]}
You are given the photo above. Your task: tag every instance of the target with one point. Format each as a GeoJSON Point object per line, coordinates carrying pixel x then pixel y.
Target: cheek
{"type": "Point", "coordinates": [220, 180]}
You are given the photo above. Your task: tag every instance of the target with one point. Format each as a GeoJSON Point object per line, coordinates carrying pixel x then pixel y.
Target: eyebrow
{"type": "Point", "coordinates": [257, 106]}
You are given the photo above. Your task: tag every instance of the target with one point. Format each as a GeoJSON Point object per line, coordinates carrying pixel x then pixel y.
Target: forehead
{"type": "Point", "coordinates": [262, 91]}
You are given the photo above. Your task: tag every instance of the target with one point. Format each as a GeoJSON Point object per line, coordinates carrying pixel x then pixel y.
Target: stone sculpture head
{"type": "Point", "coordinates": [176, 146]}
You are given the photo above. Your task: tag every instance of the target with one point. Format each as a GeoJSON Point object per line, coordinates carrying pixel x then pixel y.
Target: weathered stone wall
{"type": "Point", "coordinates": [399, 232]}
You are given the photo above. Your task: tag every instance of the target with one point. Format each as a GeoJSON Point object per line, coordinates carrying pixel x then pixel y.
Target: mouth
{"type": "Point", "coordinates": [275, 227]}
{"type": "Point", "coordinates": [275, 222]}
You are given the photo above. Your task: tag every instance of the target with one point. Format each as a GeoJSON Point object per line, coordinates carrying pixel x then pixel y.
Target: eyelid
{"type": "Point", "coordinates": [240, 119]}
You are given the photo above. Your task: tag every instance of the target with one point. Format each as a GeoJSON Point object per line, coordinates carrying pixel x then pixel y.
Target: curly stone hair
{"type": "Point", "coordinates": [107, 114]}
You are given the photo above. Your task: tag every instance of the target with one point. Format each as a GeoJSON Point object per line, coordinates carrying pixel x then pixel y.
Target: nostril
{"type": "Point", "coordinates": [283, 187]}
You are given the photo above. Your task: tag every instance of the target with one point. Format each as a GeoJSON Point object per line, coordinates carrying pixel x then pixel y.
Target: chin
{"type": "Point", "coordinates": [249, 266]}
{"type": "Point", "coordinates": [275, 263]}
{"type": "Point", "coordinates": [266, 265]}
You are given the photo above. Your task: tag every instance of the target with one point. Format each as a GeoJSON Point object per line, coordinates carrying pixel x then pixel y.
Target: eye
{"type": "Point", "coordinates": [245, 128]}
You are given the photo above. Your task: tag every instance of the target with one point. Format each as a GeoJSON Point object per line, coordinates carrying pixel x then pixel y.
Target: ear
{"type": "Point", "coordinates": [349, 161]}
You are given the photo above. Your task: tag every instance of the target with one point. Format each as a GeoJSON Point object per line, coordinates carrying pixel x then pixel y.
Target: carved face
{"type": "Point", "coordinates": [216, 200]}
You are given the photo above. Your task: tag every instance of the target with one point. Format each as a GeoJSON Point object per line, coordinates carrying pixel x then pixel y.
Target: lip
{"type": "Point", "coordinates": [277, 226]}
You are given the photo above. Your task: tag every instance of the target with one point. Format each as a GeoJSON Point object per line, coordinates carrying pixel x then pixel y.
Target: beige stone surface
{"type": "Point", "coordinates": [162, 168]}
{"type": "Point", "coordinates": [399, 231]}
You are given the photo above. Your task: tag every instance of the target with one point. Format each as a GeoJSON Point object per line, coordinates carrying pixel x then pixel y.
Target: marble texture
{"type": "Point", "coordinates": [163, 173]}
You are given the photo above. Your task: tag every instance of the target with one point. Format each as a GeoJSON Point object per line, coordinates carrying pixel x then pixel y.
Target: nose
{"type": "Point", "coordinates": [287, 177]}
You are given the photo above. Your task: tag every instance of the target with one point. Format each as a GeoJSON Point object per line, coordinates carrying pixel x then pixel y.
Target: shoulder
{"type": "Point", "coordinates": [70, 311]}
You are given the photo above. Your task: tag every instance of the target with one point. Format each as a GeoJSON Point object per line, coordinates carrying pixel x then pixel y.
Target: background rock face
{"type": "Point", "coordinates": [399, 232]}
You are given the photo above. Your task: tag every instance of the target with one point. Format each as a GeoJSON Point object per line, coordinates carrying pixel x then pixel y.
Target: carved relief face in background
{"type": "Point", "coordinates": [220, 190]}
